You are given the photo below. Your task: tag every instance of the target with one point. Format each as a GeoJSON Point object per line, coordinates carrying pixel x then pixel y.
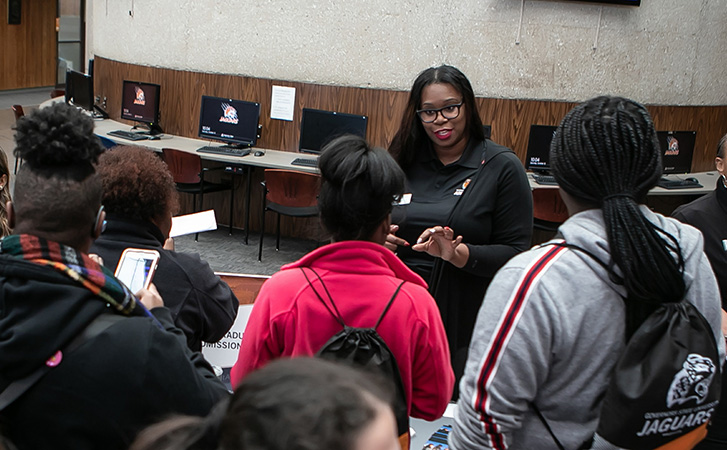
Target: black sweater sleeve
{"type": "Point", "coordinates": [512, 221]}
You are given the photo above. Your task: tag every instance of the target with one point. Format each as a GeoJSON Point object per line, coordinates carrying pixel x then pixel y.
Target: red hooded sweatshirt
{"type": "Point", "coordinates": [289, 320]}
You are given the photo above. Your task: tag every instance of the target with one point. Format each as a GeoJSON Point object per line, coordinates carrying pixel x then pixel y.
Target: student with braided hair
{"type": "Point", "coordinates": [554, 321]}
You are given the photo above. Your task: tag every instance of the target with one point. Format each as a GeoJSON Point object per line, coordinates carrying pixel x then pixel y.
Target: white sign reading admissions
{"type": "Point", "coordinates": [224, 353]}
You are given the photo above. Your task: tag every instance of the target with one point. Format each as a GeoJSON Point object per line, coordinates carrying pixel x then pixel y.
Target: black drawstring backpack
{"type": "Point", "coordinates": [364, 348]}
{"type": "Point", "coordinates": [665, 386]}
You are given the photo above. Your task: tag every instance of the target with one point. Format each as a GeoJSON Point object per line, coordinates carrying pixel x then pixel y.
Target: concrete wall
{"type": "Point", "coordinates": [664, 52]}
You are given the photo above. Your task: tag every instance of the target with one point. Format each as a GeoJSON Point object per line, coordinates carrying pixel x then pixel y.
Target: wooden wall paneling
{"type": "Point", "coordinates": [510, 119]}
{"type": "Point", "coordinates": [386, 112]}
{"type": "Point", "coordinates": [710, 123]}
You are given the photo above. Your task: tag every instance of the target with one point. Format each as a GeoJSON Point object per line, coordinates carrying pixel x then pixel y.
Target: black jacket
{"type": "Point", "coordinates": [494, 214]}
{"type": "Point", "coordinates": [709, 214]}
{"type": "Point", "coordinates": [202, 305]}
{"type": "Point", "coordinates": [103, 393]}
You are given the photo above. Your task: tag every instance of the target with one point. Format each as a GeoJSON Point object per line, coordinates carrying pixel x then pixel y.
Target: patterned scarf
{"type": "Point", "coordinates": [77, 266]}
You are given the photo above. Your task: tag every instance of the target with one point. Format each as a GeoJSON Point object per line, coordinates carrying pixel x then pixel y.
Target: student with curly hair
{"type": "Point", "coordinates": [555, 321]}
{"type": "Point", "coordinates": [290, 404]}
{"type": "Point", "coordinates": [85, 364]}
{"type": "Point", "coordinates": [140, 198]}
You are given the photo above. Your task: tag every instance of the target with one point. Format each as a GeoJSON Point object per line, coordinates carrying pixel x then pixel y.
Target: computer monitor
{"type": "Point", "coordinates": [538, 156]}
{"type": "Point", "coordinates": [677, 150]}
{"type": "Point", "coordinates": [79, 90]}
{"type": "Point", "coordinates": [317, 128]}
{"type": "Point", "coordinates": [140, 103]}
{"type": "Point", "coordinates": [228, 120]}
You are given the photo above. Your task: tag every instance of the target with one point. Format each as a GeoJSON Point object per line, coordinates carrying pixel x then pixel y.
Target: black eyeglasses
{"type": "Point", "coordinates": [449, 112]}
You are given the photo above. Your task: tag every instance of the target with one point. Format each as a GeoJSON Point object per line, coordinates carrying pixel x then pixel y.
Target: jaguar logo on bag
{"type": "Point", "coordinates": [692, 382]}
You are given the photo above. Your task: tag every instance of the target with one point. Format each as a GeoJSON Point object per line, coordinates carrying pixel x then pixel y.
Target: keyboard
{"type": "Point", "coordinates": [307, 162]}
{"type": "Point", "coordinates": [229, 151]}
{"type": "Point", "coordinates": [667, 183]}
{"type": "Point", "coordinates": [129, 135]}
{"type": "Point", "coordinates": [548, 180]}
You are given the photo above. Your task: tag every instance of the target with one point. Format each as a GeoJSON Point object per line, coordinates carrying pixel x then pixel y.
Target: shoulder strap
{"type": "Point", "coordinates": [388, 305]}
{"type": "Point", "coordinates": [488, 153]}
{"type": "Point", "coordinates": [19, 387]}
{"type": "Point", "coordinates": [582, 250]}
{"type": "Point", "coordinates": [547, 426]}
{"type": "Point", "coordinates": [336, 315]}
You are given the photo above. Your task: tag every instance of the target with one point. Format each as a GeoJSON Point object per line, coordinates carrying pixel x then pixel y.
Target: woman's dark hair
{"type": "Point", "coordinates": [56, 187]}
{"type": "Point", "coordinates": [290, 404]}
{"type": "Point", "coordinates": [358, 188]}
{"type": "Point", "coordinates": [137, 184]}
{"type": "Point", "coordinates": [605, 153]}
{"type": "Point", "coordinates": [411, 137]}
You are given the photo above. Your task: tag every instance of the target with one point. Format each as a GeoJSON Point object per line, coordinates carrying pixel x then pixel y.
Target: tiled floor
{"type": "Point", "coordinates": [226, 253]}
{"type": "Point", "coordinates": [24, 97]}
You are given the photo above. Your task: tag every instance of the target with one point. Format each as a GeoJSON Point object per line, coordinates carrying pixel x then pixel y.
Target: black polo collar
{"type": "Point", "coordinates": [471, 157]}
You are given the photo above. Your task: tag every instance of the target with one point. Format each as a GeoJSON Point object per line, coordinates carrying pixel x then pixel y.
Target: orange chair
{"type": "Point", "coordinates": [188, 174]}
{"type": "Point", "coordinates": [549, 211]}
{"type": "Point", "coordinates": [290, 193]}
{"type": "Point", "coordinates": [18, 111]}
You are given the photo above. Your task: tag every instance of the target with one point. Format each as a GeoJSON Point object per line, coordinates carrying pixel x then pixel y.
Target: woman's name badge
{"type": "Point", "coordinates": [404, 200]}
{"type": "Point", "coordinates": [724, 244]}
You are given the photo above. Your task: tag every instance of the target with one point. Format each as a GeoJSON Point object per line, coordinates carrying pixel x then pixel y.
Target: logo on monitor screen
{"type": "Point", "coordinates": [672, 147]}
{"type": "Point", "coordinates": [140, 97]}
{"type": "Point", "coordinates": [229, 114]}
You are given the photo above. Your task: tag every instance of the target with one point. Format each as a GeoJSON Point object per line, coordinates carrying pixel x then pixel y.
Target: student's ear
{"type": "Point", "coordinates": [382, 231]}
{"type": "Point", "coordinates": [719, 164]}
{"type": "Point", "coordinates": [10, 211]}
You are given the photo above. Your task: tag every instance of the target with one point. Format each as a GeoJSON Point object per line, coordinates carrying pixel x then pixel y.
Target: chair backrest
{"type": "Point", "coordinates": [185, 167]}
{"type": "Point", "coordinates": [18, 111]}
{"type": "Point", "coordinates": [292, 188]}
{"type": "Point", "coordinates": [547, 205]}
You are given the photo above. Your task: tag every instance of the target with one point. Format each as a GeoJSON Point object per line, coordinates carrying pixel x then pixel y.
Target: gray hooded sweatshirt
{"type": "Point", "coordinates": [554, 337]}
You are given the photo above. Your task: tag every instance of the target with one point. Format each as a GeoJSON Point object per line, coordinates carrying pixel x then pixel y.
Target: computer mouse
{"type": "Point", "coordinates": [692, 180]}
{"type": "Point", "coordinates": [259, 153]}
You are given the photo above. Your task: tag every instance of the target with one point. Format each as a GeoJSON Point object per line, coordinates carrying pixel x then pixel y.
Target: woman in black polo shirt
{"type": "Point", "coordinates": [469, 193]}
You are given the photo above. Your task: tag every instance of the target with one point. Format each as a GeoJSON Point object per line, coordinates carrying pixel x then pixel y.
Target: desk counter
{"type": "Point", "coordinates": [708, 180]}
{"type": "Point", "coordinates": [272, 159]}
